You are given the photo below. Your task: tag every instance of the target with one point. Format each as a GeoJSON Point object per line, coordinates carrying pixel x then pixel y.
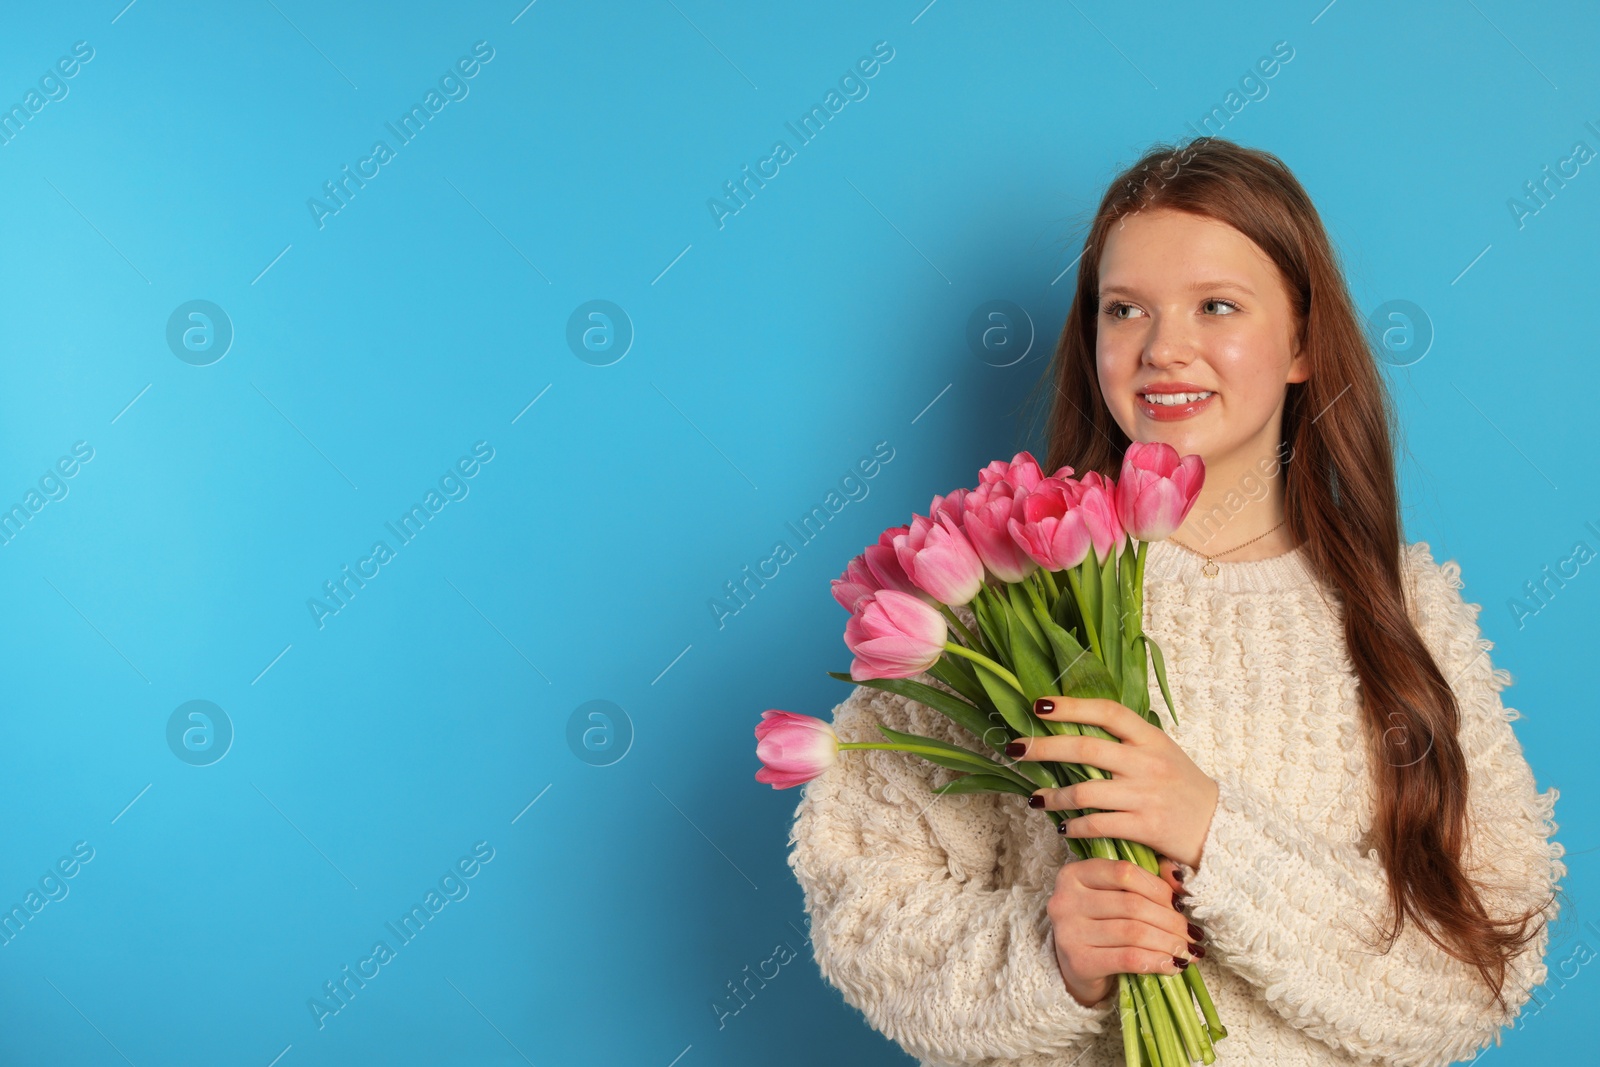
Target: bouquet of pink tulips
{"type": "Point", "coordinates": [1053, 569]}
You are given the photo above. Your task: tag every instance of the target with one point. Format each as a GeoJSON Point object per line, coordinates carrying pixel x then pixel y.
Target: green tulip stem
{"type": "Point", "coordinates": [978, 657]}
{"type": "Point", "coordinates": [950, 614]}
{"type": "Point", "coordinates": [1130, 1014]}
{"type": "Point", "coordinates": [921, 750]}
{"type": "Point", "coordinates": [1088, 624]}
{"type": "Point", "coordinates": [1138, 587]}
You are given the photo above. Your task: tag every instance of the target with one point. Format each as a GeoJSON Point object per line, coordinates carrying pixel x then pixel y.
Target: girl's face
{"type": "Point", "coordinates": [1190, 300]}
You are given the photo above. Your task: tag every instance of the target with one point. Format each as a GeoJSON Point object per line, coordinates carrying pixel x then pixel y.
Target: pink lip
{"type": "Point", "coordinates": [1175, 412]}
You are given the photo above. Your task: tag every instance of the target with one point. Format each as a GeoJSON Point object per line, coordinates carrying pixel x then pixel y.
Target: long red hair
{"type": "Point", "coordinates": [1342, 505]}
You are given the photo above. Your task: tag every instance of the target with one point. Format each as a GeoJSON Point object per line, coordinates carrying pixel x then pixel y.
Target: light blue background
{"type": "Point", "coordinates": [769, 355]}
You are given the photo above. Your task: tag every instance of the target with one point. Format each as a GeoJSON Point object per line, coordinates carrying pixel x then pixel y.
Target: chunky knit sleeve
{"type": "Point", "coordinates": [1281, 904]}
{"type": "Point", "coordinates": [907, 920]}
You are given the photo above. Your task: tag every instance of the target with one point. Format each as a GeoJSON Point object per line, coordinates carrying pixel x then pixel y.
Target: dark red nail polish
{"type": "Point", "coordinates": [1197, 952]}
{"type": "Point", "coordinates": [1043, 706]}
{"type": "Point", "coordinates": [1061, 828]}
{"type": "Point", "coordinates": [1180, 962]}
{"type": "Point", "coordinates": [1016, 748]}
{"type": "Point", "coordinates": [1195, 933]}
{"type": "Point", "coordinates": [1177, 875]}
{"type": "Point", "coordinates": [1036, 801]}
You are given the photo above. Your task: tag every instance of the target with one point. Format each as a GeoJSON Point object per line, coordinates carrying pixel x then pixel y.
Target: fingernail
{"type": "Point", "coordinates": [1197, 952]}
{"type": "Point", "coordinates": [1043, 706]}
{"type": "Point", "coordinates": [1036, 801]}
{"type": "Point", "coordinates": [1016, 748]}
{"type": "Point", "coordinates": [1195, 933]}
{"type": "Point", "coordinates": [1061, 828]}
{"type": "Point", "coordinates": [1177, 874]}
{"type": "Point", "coordinates": [1179, 962]}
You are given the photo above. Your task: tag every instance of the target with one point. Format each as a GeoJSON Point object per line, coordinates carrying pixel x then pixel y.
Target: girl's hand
{"type": "Point", "coordinates": [1156, 795]}
{"type": "Point", "coordinates": [1113, 917]}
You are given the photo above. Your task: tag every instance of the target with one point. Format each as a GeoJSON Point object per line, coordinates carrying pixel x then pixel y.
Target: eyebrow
{"type": "Point", "coordinates": [1217, 283]}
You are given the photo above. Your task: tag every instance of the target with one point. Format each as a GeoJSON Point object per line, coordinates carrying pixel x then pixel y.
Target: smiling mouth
{"type": "Point", "coordinates": [1176, 400]}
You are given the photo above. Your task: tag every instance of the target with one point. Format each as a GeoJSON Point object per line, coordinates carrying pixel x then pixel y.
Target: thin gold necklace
{"type": "Point", "coordinates": [1210, 569]}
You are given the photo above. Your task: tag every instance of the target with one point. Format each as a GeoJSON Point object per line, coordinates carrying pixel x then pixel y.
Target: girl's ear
{"type": "Point", "coordinates": [1299, 363]}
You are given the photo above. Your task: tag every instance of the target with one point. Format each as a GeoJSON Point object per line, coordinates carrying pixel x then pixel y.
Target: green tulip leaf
{"type": "Point", "coordinates": [1031, 661]}
{"type": "Point", "coordinates": [988, 628]}
{"type": "Point", "coordinates": [1135, 679]}
{"type": "Point", "coordinates": [957, 673]}
{"type": "Point", "coordinates": [984, 783]}
{"type": "Point", "coordinates": [1111, 632]}
{"type": "Point", "coordinates": [1012, 706]}
{"type": "Point", "coordinates": [991, 731]}
{"type": "Point", "coordinates": [1161, 676]}
{"type": "Point", "coordinates": [1080, 674]}
{"type": "Point", "coordinates": [947, 755]}
{"type": "Point", "coordinates": [1017, 595]}
{"type": "Point", "coordinates": [1090, 585]}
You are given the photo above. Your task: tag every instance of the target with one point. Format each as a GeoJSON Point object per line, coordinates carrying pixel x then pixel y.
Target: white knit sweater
{"type": "Point", "coordinates": [928, 912]}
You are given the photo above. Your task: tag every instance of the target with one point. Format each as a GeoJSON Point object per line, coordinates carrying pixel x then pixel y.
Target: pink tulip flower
{"type": "Point", "coordinates": [793, 749]}
{"type": "Point", "coordinates": [877, 567]}
{"type": "Point", "coordinates": [939, 559]}
{"type": "Point", "coordinates": [1099, 500]}
{"type": "Point", "coordinates": [856, 582]}
{"type": "Point", "coordinates": [894, 635]}
{"type": "Point", "coordinates": [951, 504]}
{"type": "Point", "coordinates": [1022, 472]}
{"type": "Point", "coordinates": [884, 564]}
{"type": "Point", "coordinates": [990, 509]}
{"type": "Point", "coordinates": [1156, 489]}
{"type": "Point", "coordinates": [1053, 531]}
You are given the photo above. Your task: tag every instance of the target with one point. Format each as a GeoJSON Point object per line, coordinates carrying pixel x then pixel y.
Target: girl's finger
{"type": "Point", "coordinates": [1111, 756]}
{"type": "Point", "coordinates": [1119, 720]}
{"type": "Point", "coordinates": [1112, 793]}
{"type": "Point", "coordinates": [1114, 933]}
{"type": "Point", "coordinates": [1115, 909]}
{"type": "Point", "coordinates": [1169, 875]}
{"type": "Point", "coordinates": [1097, 873]}
{"type": "Point", "coordinates": [1132, 960]}
{"type": "Point", "coordinates": [1124, 824]}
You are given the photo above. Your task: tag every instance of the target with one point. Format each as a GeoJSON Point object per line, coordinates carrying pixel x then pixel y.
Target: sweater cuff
{"type": "Point", "coordinates": [1257, 887]}
{"type": "Point", "coordinates": [1059, 1008]}
{"type": "Point", "coordinates": [1210, 884]}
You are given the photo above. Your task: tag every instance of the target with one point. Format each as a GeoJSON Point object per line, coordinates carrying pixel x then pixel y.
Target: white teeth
{"type": "Point", "coordinates": [1173, 399]}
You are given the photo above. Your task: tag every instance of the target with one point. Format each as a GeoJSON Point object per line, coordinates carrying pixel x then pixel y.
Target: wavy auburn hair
{"type": "Point", "coordinates": [1342, 506]}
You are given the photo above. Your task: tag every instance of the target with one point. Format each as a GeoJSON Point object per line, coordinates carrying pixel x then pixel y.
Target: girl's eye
{"type": "Point", "coordinates": [1114, 306]}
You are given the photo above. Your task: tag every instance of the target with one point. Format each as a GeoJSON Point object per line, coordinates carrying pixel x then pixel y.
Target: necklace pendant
{"type": "Point", "coordinates": [1210, 569]}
